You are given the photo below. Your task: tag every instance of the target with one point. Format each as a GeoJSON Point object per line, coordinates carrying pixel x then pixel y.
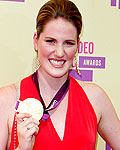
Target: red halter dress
{"type": "Point", "coordinates": [80, 125]}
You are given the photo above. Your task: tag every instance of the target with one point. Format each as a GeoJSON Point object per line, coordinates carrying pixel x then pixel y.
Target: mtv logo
{"type": "Point", "coordinates": [114, 3]}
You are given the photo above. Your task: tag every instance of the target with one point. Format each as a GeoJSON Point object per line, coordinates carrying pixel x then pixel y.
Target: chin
{"type": "Point", "coordinates": [57, 74]}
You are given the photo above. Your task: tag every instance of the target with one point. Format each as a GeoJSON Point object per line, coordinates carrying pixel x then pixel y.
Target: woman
{"type": "Point", "coordinates": [82, 108]}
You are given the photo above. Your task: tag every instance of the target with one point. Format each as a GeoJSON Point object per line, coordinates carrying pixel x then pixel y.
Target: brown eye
{"type": "Point", "coordinates": [50, 41]}
{"type": "Point", "coordinates": [69, 43]}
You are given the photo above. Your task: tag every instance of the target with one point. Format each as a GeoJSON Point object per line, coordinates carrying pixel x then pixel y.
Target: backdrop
{"type": "Point", "coordinates": [98, 53]}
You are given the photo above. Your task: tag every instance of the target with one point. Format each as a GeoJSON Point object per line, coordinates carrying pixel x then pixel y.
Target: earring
{"type": "Point", "coordinates": [36, 64]}
{"type": "Point", "coordinates": [77, 67]}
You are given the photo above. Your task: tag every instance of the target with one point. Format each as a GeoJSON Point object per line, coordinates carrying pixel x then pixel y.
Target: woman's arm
{"type": "Point", "coordinates": [7, 102]}
{"type": "Point", "coordinates": [108, 122]}
{"type": "Point", "coordinates": [109, 125]}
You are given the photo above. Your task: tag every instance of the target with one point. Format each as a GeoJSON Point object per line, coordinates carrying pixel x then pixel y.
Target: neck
{"type": "Point", "coordinates": [49, 85]}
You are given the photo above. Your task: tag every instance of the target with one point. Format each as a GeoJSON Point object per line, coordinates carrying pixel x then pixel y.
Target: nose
{"type": "Point", "coordinates": [59, 51]}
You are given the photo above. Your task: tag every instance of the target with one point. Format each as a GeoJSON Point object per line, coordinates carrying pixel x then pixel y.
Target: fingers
{"type": "Point", "coordinates": [26, 119]}
{"type": "Point", "coordinates": [27, 124]}
{"type": "Point", "coordinates": [27, 129]}
{"type": "Point", "coordinates": [22, 116]}
{"type": "Point", "coordinates": [33, 130]}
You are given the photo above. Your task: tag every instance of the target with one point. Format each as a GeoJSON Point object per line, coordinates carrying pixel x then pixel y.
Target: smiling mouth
{"type": "Point", "coordinates": [57, 62]}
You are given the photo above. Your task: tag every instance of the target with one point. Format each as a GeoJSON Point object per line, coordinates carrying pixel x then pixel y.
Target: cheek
{"type": "Point", "coordinates": [71, 54]}
{"type": "Point", "coordinates": [43, 50]}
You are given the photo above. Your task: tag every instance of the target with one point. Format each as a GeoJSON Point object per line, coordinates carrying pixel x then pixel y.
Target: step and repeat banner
{"type": "Point", "coordinates": [98, 54]}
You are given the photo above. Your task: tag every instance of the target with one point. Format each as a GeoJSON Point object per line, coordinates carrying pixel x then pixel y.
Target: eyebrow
{"type": "Point", "coordinates": [49, 38]}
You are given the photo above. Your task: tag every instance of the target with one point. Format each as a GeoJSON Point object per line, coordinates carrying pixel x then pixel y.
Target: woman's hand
{"type": "Point", "coordinates": [27, 129]}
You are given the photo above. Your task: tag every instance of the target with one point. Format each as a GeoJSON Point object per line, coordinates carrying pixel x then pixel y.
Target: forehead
{"type": "Point", "coordinates": [60, 27]}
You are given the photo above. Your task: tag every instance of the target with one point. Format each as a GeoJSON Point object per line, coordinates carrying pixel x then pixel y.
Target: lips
{"type": "Point", "coordinates": [57, 62]}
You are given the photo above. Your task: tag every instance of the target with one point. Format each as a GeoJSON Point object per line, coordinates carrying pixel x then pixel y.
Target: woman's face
{"type": "Point", "coordinates": [56, 47]}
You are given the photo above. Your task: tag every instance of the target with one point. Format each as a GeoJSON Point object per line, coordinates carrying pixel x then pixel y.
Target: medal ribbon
{"type": "Point", "coordinates": [57, 98]}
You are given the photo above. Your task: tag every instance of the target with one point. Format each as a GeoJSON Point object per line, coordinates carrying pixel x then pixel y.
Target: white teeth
{"type": "Point", "coordinates": [57, 62]}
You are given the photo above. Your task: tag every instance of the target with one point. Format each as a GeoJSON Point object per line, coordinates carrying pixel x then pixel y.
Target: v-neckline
{"type": "Point", "coordinates": [66, 119]}
{"type": "Point", "coordinates": [65, 122]}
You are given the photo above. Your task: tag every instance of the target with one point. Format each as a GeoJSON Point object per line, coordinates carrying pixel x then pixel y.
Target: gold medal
{"type": "Point", "coordinates": [31, 106]}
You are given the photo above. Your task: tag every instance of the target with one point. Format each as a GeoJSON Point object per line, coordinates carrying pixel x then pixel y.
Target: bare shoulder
{"type": "Point", "coordinates": [93, 91]}
{"type": "Point", "coordinates": [7, 96]}
{"type": "Point", "coordinates": [7, 104]}
{"type": "Point", "coordinates": [97, 97]}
